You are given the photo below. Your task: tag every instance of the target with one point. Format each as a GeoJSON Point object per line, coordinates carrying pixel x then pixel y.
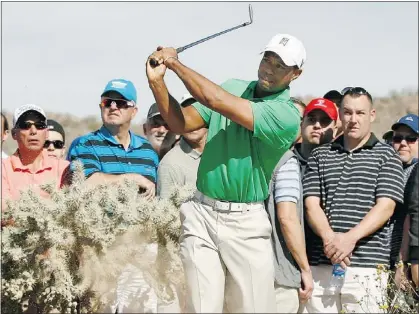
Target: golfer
{"type": "Point", "coordinates": [225, 242]}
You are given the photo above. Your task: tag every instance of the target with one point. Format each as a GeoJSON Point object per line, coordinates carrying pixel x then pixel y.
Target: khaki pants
{"type": "Point", "coordinates": [287, 300]}
{"type": "Point", "coordinates": [227, 255]}
{"type": "Point", "coordinates": [352, 297]}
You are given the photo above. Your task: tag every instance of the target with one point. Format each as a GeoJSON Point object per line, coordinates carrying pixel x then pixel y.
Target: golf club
{"type": "Point", "coordinates": [154, 62]}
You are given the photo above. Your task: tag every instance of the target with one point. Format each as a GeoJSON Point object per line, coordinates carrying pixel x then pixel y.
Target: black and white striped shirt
{"type": "Point", "coordinates": [349, 184]}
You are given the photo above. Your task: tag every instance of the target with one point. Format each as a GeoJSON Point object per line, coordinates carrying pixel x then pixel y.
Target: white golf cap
{"type": "Point", "coordinates": [185, 98]}
{"type": "Point", "coordinates": [25, 108]}
{"type": "Point", "coordinates": [290, 49]}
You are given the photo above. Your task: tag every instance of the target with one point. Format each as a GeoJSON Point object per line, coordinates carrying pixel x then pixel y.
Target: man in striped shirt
{"type": "Point", "coordinates": [110, 154]}
{"type": "Point", "coordinates": [114, 152]}
{"type": "Point", "coordinates": [351, 188]}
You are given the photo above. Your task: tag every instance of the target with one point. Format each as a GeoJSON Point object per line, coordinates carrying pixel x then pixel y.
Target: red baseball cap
{"type": "Point", "coordinates": [324, 105]}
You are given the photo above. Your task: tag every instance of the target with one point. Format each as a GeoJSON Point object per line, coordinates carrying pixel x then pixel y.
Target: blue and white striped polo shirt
{"type": "Point", "coordinates": [100, 152]}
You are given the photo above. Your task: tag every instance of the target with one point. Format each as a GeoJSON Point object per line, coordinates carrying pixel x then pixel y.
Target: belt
{"type": "Point", "coordinates": [225, 206]}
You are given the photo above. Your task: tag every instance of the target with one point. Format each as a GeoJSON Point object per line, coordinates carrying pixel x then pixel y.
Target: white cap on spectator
{"type": "Point", "coordinates": [25, 108]}
{"type": "Point", "coordinates": [290, 49]}
{"type": "Point", "coordinates": [185, 98]}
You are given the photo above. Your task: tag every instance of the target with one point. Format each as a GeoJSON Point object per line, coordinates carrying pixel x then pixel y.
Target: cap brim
{"type": "Point", "coordinates": [306, 113]}
{"type": "Point", "coordinates": [289, 63]}
{"type": "Point", "coordinates": [186, 100]}
{"type": "Point", "coordinates": [154, 114]}
{"type": "Point", "coordinates": [35, 112]}
{"type": "Point", "coordinates": [116, 91]}
{"type": "Point", "coordinates": [395, 126]}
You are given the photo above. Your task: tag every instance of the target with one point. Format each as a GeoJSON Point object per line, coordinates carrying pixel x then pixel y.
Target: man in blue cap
{"type": "Point", "coordinates": [405, 138]}
{"type": "Point", "coordinates": [405, 142]}
{"type": "Point", "coordinates": [114, 152]}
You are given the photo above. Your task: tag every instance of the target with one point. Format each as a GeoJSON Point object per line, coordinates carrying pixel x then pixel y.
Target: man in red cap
{"type": "Point", "coordinates": [293, 279]}
{"type": "Point", "coordinates": [319, 126]}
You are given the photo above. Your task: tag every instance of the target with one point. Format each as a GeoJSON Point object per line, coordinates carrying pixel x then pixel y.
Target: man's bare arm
{"type": "Point", "coordinates": [293, 233]}
{"type": "Point", "coordinates": [344, 243]}
{"type": "Point", "coordinates": [317, 219]}
{"type": "Point", "coordinates": [180, 120]}
{"type": "Point", "coordinates": [213, 96]}
{"type": "Point", "coordinates": [376, 218]}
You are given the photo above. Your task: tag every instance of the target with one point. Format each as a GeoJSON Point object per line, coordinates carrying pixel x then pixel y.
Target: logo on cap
{"type": "Point", "coordinates": [409, 119]}
{"type": "Point", "coordinates": [117, 84]}
{"type": "Point", "coordinates": [320, 103]}
{"type": "Point", "coordinates": [284, 41]}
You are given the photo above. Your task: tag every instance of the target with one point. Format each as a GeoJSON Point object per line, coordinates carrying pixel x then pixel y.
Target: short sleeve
{"type": "Point", "coordinates": [311, 179]}
{"type": "Point", "coordinates": [167, 178]}
{"type": "Point", "coordinates": [87, 156]}
{"type": "Point", "coordinates": [276, 123]}
{"type": "Point", "coordinates": [204, 112]}
{"type": "Point", "coordinates": [390, 181]}
{"type": "Point", "coordinates": [287, 182]}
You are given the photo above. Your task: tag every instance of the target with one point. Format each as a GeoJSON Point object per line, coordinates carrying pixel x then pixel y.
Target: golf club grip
{"type": "Point", "coordinates": [153, 62]}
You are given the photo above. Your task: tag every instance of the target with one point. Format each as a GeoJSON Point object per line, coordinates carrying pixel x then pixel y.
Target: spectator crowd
{"type": "Point", "coordinates": [298, 207]}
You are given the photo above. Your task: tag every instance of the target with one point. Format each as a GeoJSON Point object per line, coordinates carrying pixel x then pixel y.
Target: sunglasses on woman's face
{"type": "Point", "coordinates": [410, 139]}
{"type": "Point", "coordinates": [120, 103]}
{"type": "Point", "coordinates": [26, 125]}
{"type": "Point", "coordinates": [57, 144]}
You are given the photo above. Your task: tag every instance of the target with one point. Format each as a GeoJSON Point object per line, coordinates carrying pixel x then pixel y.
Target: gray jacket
{"type": "Point", "coordinates": [287, 272]}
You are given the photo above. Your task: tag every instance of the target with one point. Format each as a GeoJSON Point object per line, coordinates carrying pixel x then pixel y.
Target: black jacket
{"type": "Point", "coordinates": [411, 203]}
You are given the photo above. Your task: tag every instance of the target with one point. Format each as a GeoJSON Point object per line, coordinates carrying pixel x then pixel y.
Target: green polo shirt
{"type": "Point", "coordinates": [237, 164]}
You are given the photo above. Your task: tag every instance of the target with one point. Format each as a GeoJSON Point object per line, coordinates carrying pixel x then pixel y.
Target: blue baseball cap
{"type": "Point", "coordinates": [124, 87]}
{"type": "Point", "coordinates": [410, 120]}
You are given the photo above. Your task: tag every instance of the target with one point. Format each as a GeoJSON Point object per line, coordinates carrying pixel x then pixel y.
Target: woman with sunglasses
{"type": "Point", "coordinates": [55, 144]}
{"type": "Point", "coordinates": [405, 143]}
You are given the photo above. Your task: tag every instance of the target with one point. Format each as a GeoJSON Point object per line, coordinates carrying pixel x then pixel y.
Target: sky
{"type": "Point", "coordinates": [60, 55]}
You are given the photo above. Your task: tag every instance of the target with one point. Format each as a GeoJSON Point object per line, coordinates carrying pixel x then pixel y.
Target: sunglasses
{"type": "Point", "coordinates": [120, 103]}
{"type": "Point", "coordinates": [57, 144]}
{"type": "Point", "coordinates": [26, 125]}
{"type": "Point", "coordinates": [356, 91]}
{"type": "Point", "coordinates": [408, 138]}
{"type": "Point", "coordinates": [324, 121]}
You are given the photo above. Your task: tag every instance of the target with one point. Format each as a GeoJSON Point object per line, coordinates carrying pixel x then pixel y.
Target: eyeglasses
{"type": "Point", "coordinates": [356, 91]}
{"type": "Point", "coordinates": [26, 125]}
{"type": "Point", "coordinates": [324, 121]}
{"type": "Point", "coordinates": [408, 138]}
{"type": "Point", "coordinates": [120, 103]}
{"type": "Point", "coordinates": [57, 144]}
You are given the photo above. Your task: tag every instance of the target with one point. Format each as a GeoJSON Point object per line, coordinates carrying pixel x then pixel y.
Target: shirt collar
{"type": "Point", "coordinates": [338, 143]}
{"type": "Point", "coordinates": [285, 93]}
{"type": "Point", "coordinates": [46, 162]}
{"type": "Point", "coordinates": [188, 150]}
{"type": "Point", "coordinates": [135, 141]}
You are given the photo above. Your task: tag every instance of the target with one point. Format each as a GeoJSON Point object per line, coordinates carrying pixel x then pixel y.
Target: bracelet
{"type": "Point", "coordinates": [164, 61]}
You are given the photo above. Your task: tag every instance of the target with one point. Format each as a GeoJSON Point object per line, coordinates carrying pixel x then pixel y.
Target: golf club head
{"type": "Point", "coordinates": [250, 15]}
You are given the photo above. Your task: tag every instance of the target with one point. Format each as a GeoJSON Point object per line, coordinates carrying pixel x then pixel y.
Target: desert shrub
{"type": "Point", "coordinates": [75, 244]}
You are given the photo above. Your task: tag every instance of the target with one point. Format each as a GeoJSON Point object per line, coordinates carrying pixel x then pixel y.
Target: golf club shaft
{"type": "Point", "coordinates": [154, 62]}
{"type": "Point", "coordinates": [180, 49]}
